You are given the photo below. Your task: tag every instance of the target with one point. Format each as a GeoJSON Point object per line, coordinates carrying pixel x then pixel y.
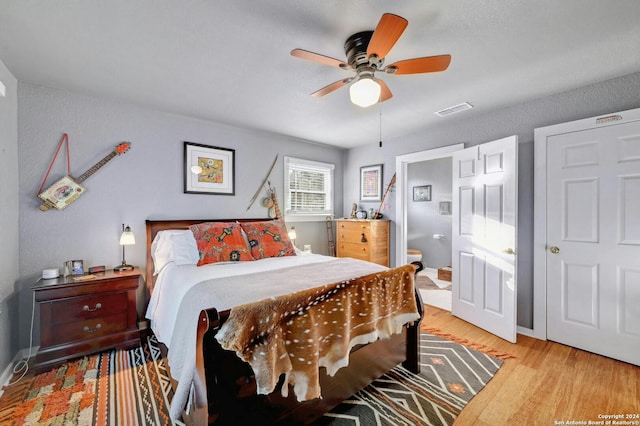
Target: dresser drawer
{"type": "Point", "coordinates": [354, 250]}
{"type": "Point", "coordinates": [79, 308]}
{"type": "Point", "coordinates": [353, 236]}
{"type": "Point", "coordinates": [355, 226]}
{"type": "Point", "coordinates": [89, 329]}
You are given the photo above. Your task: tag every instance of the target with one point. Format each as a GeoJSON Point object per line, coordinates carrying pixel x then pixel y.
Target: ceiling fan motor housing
{"type": "Point", "coordinates": [356, 48]}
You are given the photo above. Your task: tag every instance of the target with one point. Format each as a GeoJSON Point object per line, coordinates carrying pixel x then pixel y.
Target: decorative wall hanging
{"type": "Point", "coordinates": [209, 169]}
{"type": "Point", "coordinates": [371, 183]}
{"type": "Point", "coordinates": [378, 215]}
{"type": "Point", "coordinates": [267, 202]}
{"type": "Point", "coordinates": [67, 189]}
{"type": "Point", "coordinates": [444, 207]}
{"type": "Point", "coordinates": [422, 193]}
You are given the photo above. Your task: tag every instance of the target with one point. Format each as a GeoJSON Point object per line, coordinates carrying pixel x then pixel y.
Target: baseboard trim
{"type": "Point", "coordinates": [526, 332]}
{"type": "Point", "coordinates": [8, 372]}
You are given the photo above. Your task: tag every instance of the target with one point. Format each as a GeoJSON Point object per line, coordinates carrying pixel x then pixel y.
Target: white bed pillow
{"type": "Point", "coordinates": [174, 245]}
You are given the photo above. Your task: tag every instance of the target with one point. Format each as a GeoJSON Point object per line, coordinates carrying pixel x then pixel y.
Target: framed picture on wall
{"type": "Point", "coordinates": [209, 169]}
{"type": "Point", "coordinates": [371, 183]}
{"type": "Point", "coordinates": [422, 193]}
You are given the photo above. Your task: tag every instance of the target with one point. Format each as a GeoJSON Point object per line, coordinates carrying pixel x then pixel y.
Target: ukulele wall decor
{"type": "Point", "coordinates": [67, 189]}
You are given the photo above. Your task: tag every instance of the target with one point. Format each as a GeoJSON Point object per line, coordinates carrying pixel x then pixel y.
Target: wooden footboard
{"type": "Point", "coordinates": [230, 388]}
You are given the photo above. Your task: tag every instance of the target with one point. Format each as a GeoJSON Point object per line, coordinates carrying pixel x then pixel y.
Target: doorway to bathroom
{"type": "Point", "coordinates": [429, 227]}
{"type": "Point", "coordinates": [424, 219]}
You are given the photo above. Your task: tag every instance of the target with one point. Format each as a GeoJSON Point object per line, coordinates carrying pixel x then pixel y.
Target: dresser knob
{"type": "Point", "coordinates": [363, 239]}
{"type": "Point", "coordinates": [86, 308]}
{"type": "Point", "coordinates": [89, 330]}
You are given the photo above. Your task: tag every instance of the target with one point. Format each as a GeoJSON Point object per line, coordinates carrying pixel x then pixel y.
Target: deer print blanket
{"type": "Point", "coordinates": [298, 333]}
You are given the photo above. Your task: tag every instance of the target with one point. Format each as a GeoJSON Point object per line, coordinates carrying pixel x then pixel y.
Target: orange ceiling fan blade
{"type": "Point", "coordinates": [420, 65]}
{"type": "Point", "coordinates": [386, 34]}
{"type": "Point", "coordinates": [385, 92]}
{"type": "Point", "coordinates": [316, 57]}
{"type": "Point", "coordinates": [332, 87]}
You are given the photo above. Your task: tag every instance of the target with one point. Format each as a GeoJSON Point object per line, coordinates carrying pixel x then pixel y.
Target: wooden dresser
{"type": "Point", "coordinates": [82, 317]}
{"type": "Point", "coordinates": [363, 239]}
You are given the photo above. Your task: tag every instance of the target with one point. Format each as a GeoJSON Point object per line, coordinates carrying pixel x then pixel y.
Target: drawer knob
{"type": "Point", "coordinates": [89, 330]}
{"type": "Point", "coordinates": [86, 308]}
{"type": "Point", "coordinates": [363, 239]}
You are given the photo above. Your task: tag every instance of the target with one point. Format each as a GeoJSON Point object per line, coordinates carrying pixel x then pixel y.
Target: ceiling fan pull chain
{"type": "Point", "coordinates": [380, 125]}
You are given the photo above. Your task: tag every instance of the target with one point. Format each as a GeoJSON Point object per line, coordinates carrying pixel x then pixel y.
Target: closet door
{"type": "Point", "coordinates": [593, 240]}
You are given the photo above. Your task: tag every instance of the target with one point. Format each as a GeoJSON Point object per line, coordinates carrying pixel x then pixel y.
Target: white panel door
{"type": "Point", "coordinates": [484, 236]}
{"type": "Point", "coordinates": [593, 240]}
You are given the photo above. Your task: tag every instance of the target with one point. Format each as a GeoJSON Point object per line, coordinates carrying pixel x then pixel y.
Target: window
{"type": "Point", "coordinates": [308, 189]}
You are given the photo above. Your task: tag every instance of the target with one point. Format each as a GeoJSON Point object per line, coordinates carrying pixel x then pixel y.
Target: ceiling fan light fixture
{"type": "Point", "coordinates": [365, 92]}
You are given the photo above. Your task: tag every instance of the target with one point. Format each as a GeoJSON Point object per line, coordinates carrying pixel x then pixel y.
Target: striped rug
{"type": "Point", "coordinates": [132, 388]}
{"type": "Point", "coordinates": [111, 388]}
{"type": "Point", "coordinates": [450, 375]}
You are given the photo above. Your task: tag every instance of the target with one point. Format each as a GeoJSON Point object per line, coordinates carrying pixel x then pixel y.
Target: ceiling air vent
{"type": "Point", "coordinates": [453, 109]}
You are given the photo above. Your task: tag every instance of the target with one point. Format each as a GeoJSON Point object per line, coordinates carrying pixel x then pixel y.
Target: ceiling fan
{"type": "Point", "coordinates": [365, 53]}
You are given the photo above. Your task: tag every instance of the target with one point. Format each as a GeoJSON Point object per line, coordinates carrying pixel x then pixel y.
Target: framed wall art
{"type": "Point", "coordinates": [371, 183]}
{"type": "Point", "coordinates": [444, 207]}
{"type": "Point", "coordinates": [422, 193]}
{"type": "Point", "coordinates": [209, 169]}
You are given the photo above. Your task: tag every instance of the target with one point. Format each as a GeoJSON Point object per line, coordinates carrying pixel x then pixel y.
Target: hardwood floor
{"type": "Point", "coordinates": [547, 383]}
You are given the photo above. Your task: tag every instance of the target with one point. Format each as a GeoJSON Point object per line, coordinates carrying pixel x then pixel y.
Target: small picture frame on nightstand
{"type": "Point", "coordinates": [77, 267]}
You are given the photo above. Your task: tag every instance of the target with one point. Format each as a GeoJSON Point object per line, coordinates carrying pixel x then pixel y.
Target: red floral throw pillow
{"type": "Point", "coordinates": [268, 239]}
{"type": "Point", "coordinates": [220, 242]}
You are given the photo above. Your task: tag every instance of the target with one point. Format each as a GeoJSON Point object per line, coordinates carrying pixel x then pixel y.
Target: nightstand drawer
{"type": "Point", "coordinates": [78, 308]}
{"type": "Point", "coordinates": [89, 329]}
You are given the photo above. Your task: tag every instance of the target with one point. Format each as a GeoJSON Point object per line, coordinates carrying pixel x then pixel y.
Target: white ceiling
{"type": "Point", "coordinates": [229, 61]}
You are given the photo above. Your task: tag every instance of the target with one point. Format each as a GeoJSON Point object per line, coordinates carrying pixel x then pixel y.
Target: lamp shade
{"type": "Point", "coordinates": [364, 92]}
{"type": "Point", "coordinates": [127, 238]}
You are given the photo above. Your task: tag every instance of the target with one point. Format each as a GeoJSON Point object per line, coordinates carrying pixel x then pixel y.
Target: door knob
{"type": "Point", "coordinates": [509, 250]}
{"type": "Point", "coordinates": [554, 250]}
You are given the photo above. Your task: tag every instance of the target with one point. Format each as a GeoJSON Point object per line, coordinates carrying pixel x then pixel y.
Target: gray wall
{"type": "Point", "coordinates": [424, 218]}
{"type": "Point", "coordinates": [147, 181]}
{"type": "Point", "coordinates": [602, 98]}
{"type": "Point", "coordinates": [144, 183]}
{"type": "Point", "coordinates": [8, 213]}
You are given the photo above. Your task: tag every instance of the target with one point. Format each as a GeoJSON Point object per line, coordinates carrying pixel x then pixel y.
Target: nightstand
{"type": "Point", "coordinates": [82, 317]}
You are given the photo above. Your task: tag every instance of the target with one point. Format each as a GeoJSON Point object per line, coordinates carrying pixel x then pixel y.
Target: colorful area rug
{"type": "Point", "coordinates": [112, 388]}
{"type": "Point", "coordinates": [132, 387]}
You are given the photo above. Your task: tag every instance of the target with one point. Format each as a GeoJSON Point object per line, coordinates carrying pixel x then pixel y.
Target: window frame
{"type": "Point", "coordinates": [322, 167]}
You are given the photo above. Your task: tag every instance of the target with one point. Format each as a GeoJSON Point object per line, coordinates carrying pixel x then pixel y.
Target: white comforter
{"type": "Point", "coordinates": [174, 317]}
{"type": "Point", "coordinates": [174, 282]}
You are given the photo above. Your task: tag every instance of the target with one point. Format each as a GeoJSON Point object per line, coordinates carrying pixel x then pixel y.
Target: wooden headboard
{"type": "Point", "coordinates": [155, 226]}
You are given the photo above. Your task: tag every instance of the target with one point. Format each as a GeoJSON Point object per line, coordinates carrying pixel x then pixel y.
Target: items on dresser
{"type": "Point", "coordinates": [87, 316]}
{"type": "Point", "coordinates": [363, 239]}
{"type": "Point", "coordinates": [73, 267]}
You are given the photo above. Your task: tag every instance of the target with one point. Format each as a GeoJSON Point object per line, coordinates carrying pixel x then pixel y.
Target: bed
{"type": "Point", "coordinates": [231, 361]}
